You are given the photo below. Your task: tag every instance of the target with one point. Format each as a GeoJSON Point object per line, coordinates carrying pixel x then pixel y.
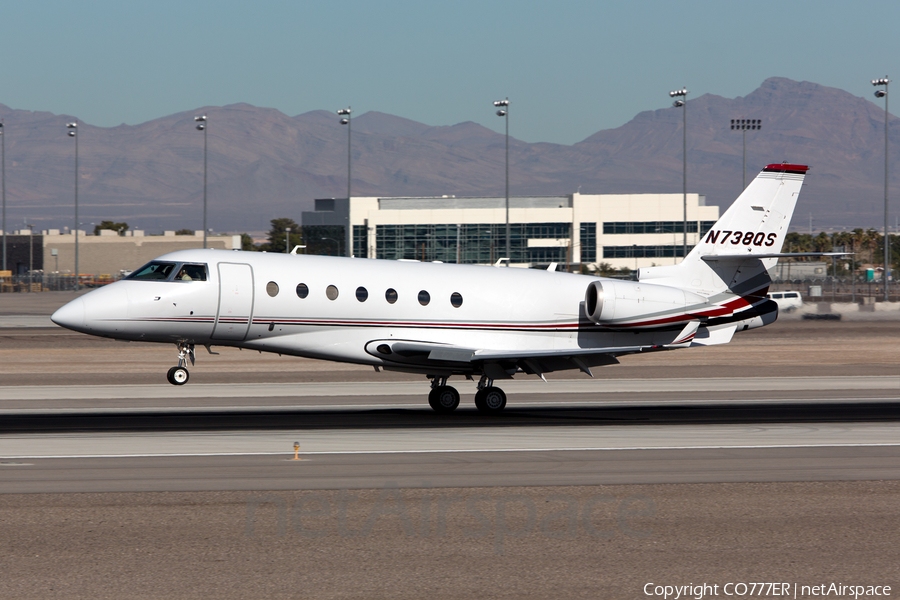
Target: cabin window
{"type": "Point", "coordinates": [302, 290]}
{"type": "Point", "coordinates": [456, 299]}
{"type": "Point", "coordinates": [154, 271]}
{"type": "Point", "coordinates": [272, 289]}
{"type": "Point", "coordinates": [424, 298]}
{"type": "Point", "coordinates": [331, 292]}
{"type": "Point", "coordinates": [191, 273]}
{"type": "Point", "coordinates": [390, 295]}
{"type": "Point", "coordinates": [362, 294]}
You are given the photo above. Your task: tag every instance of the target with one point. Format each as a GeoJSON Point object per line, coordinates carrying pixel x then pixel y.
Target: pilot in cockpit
{"type": "Point", "coordinates": [191, 273]}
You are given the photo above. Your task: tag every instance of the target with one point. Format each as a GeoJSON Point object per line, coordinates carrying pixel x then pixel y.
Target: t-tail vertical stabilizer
{"type": "Point", "coordinates": [734, 257]}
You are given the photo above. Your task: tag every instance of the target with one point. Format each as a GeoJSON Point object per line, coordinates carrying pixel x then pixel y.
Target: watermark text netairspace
{"type": "Point", "coordinates": [766, 589]}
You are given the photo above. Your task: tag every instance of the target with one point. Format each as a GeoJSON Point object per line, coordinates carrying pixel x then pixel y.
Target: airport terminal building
{"type": "Point", "coordinates": [624, 230]}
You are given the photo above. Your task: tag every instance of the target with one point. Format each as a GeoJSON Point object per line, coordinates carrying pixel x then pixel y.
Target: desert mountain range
{"type": "Point", "coordinates": [264, 164]}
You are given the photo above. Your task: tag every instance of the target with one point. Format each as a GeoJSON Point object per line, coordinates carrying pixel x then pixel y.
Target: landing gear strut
{"type": "Point", "coordinates": [179, 375]}
{"type": "Point", "coordinates": [489, 399]}
{"type": "Point", "coordinates": [442, 398]}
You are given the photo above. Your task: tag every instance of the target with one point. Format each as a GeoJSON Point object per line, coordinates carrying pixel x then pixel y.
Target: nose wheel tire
{"type": "Point", "coordinates": [490, 400]}
{"type": "Point", "coordinates": [443, 399]}
{"type": "Point", "coordinates": [178, 376]}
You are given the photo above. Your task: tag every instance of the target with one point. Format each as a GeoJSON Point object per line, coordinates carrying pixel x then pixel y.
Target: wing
{"type": "Point", "coordinates": [435, 357]}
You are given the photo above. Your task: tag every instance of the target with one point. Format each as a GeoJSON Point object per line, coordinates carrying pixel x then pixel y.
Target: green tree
{"type": "Point", "coordinates": [247, 243]}
{"type": "Point", "coordinates": [870, 240]}
{"type": "Point", "coordinates": [822, 243]}
{"type": "Point", "coordinates": [856, 241]}
{"type": "Point", "coordinates": [845, 239]}
{"type": "Point", "coordinates": [604, 269]}
{"type": "Point", "coordinates": [798, 242]}
{"type": "Point", "coordinates": [278, 236]}
{"type": "Point", "coordinates": [185, 232]}
{"type": "Point", "coordinates": [119, 228]}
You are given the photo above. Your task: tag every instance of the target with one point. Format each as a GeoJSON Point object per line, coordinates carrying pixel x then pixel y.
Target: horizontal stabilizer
{"type": "Point", "coordinates": [716, 257]}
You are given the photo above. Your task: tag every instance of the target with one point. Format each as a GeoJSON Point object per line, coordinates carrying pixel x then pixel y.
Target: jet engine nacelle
{"type": "Point", "coordinates": [611, 301]}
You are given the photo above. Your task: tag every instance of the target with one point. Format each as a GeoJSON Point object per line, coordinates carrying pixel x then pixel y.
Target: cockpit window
{"type": "Point", "coordinates": [191, 273]}
{"type": "Point", "coordinates": [154, 271]}
{"type": "Point", "coordinates": [167, 271]}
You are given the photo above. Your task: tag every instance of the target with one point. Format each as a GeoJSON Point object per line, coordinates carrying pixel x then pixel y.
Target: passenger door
{"type": "Point", "coordinates": [235, 301]}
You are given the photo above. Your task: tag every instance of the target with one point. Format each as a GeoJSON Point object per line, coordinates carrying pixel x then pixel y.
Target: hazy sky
{"type": "Point", "coordinates": [570, 68]}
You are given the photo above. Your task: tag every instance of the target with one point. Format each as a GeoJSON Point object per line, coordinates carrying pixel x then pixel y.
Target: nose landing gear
{"type": "Point", "coordinates": [179, 375]}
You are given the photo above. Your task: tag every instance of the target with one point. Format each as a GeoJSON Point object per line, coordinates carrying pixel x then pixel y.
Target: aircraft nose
{"type": "Point", "coordinates": [71, 315]}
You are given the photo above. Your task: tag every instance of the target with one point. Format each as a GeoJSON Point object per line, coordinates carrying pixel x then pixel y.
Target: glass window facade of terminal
{"type": "Point", "coordinates": [478, 243]}
{"type": "Point", "coordinates": [629, 227]}
{"type": "Point", "coordinates": [635, 251]}
{"type": "Point", "coordinates": [485, 243]}
{"type": "Point", "coordinates": [676, 249]}
{"type": "Point", "coordinates": [588, 242]}
{"type": "Point", "coordinates": [360, 239]}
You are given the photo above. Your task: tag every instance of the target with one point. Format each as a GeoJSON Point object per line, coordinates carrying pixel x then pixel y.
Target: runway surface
{"type": "Point", "coordinates": [774, 458]}
{"type": "Point", "coordinates": [363, 435]}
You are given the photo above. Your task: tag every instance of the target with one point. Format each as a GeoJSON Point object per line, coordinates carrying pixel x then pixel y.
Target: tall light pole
{"type": "Point", "coordinates": [3, 160]}
{"type": "Point", "coordinates": [30, 254]}
{"type": "Point", "coordinates": [503, 105]}
{"type": "Point", "coordinates": [344, 113]}
{"type": "Point", "coordinates": [682, 93]}
{"type": "Point", "coordinates": [287, 240]}
{"type": "Point", "coordinates": [743, 125]}
{"type": "Point", "coordinates": [73, 133]}
{"type": "Point", "coordinates": [887, 244]}
{"type": "Point", "coordinates": [201, 126]}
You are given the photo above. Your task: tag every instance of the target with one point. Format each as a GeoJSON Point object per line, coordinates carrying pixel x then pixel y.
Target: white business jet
{"type": "Point", "coordinates": [442, 320]}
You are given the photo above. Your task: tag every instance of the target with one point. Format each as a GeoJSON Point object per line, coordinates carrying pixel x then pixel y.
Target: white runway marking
{"type": "Point", "coordinates": [446, 451]}
{"type": "Point", "coordinates": [482, 439]}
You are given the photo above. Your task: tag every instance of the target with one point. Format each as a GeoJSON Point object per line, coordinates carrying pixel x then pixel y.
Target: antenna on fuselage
{"type": "Point", "coordinates": [297, 247]}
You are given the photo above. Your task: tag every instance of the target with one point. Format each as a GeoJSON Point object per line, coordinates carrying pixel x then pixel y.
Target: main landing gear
{"type": "Point", "coordinates": [442, 398]}
{"type": "Point", "coordinates": [445, 399]}
{"type": "Point", "coordinates": [489, 399]}
{"type": "Point", "coordinates": [179, 375]}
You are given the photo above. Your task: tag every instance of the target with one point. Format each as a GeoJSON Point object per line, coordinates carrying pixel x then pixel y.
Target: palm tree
{"type": "Point", "coordinates": [872, 239]}
{"type": "Point", "coordinates": [822, 243]}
